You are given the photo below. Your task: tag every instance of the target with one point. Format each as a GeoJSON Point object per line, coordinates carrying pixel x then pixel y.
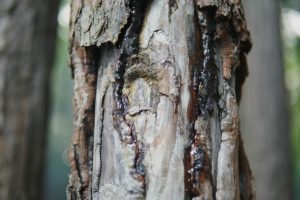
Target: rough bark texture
{"type": "Point", "coordinates": [169, 76]}
{"type": "Point", "coordinates": [27, 38]}
{"type": "Point", "coordinates": [264, 108]}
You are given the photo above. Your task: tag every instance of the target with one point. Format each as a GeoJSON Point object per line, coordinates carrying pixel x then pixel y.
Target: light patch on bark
{"type": "Point", "coordinates": [101, 22]}
{"type": "Point", "coordinates": [228, 176]}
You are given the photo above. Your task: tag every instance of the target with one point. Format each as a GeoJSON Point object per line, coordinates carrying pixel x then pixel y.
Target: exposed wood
{"type": "Point", "coordinates": [27, 38]}
{"type": "Point", "coordinates": [166, 118]}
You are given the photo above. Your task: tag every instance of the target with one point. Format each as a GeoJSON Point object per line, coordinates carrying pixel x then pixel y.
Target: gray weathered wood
{"type": "Point", "coordinates": [166, 107]}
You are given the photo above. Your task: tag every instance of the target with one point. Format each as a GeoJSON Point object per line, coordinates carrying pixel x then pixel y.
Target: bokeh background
{"type": "Point", "coordinates": [60, 123]}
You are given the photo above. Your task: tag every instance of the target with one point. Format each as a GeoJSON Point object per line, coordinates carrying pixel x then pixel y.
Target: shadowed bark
{"type": "Point", "coordinates": [167, 79]}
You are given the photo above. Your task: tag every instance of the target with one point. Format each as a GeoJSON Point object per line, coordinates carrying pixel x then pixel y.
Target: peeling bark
{"type": "Point", "coordinates": [168, 85]}
{"type": "Point", "coordinates": [84, 60]}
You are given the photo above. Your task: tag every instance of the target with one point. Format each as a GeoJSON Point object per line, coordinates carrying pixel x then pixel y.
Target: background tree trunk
{"type": "Point", "coordinates": [264, 107]}
{"type": "Point", "coordinates": [161, 80]}
{"type": "Point", "coordinates": [27, 38]}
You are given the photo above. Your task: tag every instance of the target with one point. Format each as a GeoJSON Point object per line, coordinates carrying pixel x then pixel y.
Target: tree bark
{"type": "Point", "coordinates": [27, 38]}
{"type": "Point", "coordinates": [264, 108]}
{"type": "Point", "coordinates": [157, 85]}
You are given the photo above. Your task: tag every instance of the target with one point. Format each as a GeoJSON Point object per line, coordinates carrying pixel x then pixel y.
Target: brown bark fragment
{"type": "Point", "coordinates": [84, 61]}
{"type": "Point", "coordinates": [206, 3]}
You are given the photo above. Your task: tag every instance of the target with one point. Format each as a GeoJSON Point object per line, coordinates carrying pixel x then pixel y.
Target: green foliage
{"type": "Point", "coordinates": [292, 77]}
{"type": "Point", "coordinates": [295, 4]}
{"type": "Point", "coordinates": [292, 55]}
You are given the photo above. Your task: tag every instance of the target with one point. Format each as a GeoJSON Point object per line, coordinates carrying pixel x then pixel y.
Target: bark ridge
{"type": "Point", "coordinates": [165, 106]}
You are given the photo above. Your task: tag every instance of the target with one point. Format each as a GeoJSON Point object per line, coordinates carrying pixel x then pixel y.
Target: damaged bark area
{"type": "Point", "coordinates": [162, 121]}
{"type": "Point", "coordinates": [84, 62]}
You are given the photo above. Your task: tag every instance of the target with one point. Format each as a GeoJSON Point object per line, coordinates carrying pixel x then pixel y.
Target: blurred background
{"type": "Point", "coordinates": [270, 107]}
{"type": "Point", "coordinates": [60, 126]}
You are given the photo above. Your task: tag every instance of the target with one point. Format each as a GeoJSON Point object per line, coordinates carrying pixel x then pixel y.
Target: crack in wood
{"type": "Point", "coordinates": [206, 80]}
{"type": "Point", "coordinates": [205, 84]}
{"type": "Point", "coordinates": [85, 64]}
{"type": "Point", "coordinates": [128, 46]}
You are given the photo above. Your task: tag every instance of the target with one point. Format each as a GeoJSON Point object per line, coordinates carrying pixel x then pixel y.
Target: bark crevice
{"type": "Point", "coordinates": [166, 124]}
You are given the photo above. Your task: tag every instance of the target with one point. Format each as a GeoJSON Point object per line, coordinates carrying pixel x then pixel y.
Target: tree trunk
{"type": "Point", "coordinates": [27, 38]}
{"type": "Point", "coordinates": [264, 108]}
{"type": "Point", "coordinates": [156, 89]}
